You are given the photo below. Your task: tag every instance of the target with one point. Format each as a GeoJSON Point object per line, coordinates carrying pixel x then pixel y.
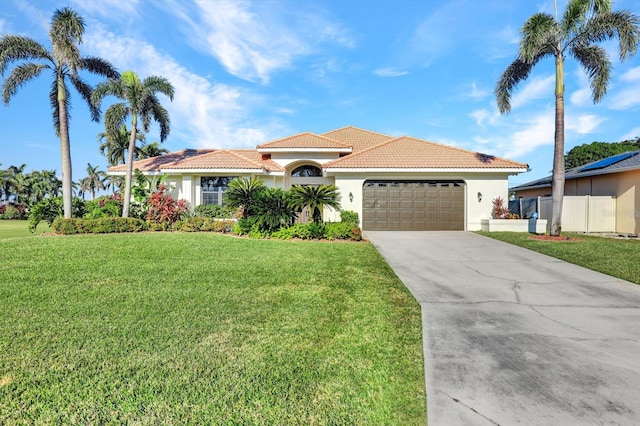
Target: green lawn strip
{"type": "Point", "coordinates": [20, 228]}
{"type": "Point", "coordinates": [615, 257]}
{"type": "Point", "coordinates": [195, 328]}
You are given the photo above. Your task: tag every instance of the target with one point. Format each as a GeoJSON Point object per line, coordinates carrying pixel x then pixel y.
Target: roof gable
{"type": "Point", "coordinates": [359, 139]}
{"type": "Point", "coordinates": [305, 141]}
{"type": "Point", "coordinates": [411, 153]}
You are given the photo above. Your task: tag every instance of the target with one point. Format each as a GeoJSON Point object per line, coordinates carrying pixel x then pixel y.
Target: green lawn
{"type": "Point", "coordinates": [616, 257]}
{"type": "Point", "coordinates": [20, 228]}
{"type": "Point", "coordinates": [173, 328]}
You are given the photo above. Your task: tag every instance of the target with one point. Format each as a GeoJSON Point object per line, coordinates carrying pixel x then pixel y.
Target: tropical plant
{"type": "Point", "coordinates": [114, 145]}
{"type": "Point", "coordinates": [139, 102]}
{"type": "Point", "coordinates": [52, 208]}
{"type": "Point", "coordinates": [315, 198]}
{"type": "Point", "coordinates": [64, 61]}
{"type": "Point", "coordinates": [94, 181]}
{"type": "Point", "coordinates": [10, 181]}
{"type": "Point", "coordinates": [583, 24]}
{"type": "Point", "coordinates": [243, 194]}
{"type": "Point", "coordinates": [273, 210]}
{"type": "Point", "coordinates": [164, 209]}
{"type": "Point", "coordinates": [152, 150]}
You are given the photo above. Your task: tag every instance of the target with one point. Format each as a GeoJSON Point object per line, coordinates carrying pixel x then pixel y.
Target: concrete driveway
{"type": "Point", "coordinates": [515, 337]}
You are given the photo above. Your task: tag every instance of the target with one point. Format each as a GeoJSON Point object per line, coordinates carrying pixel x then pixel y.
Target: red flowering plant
{"type": "Point", "coordinates": [163, 208]}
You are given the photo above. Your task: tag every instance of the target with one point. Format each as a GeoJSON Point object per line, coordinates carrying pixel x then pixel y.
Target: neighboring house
{"type": "Point", "coordinates": [617, 176]}
{"type": "Point", "coordinates": [392, 183]}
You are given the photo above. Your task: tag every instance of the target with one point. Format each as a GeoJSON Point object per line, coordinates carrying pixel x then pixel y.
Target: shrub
{"type": "Point", "coordinates": [350, 217]}
{"type": "Point", "coordinates": [316, 230]}
{"type": "Point", "coordinates": [13, 211]}
{"type": "Point", "coordinates": [342, 231]}
{"type": "Point", "coordinates": [106, 206]}
{"type": "Point", "coordinates": [164, 211]}
{"type": "Point", "coordinates": [242, 226]}
{"type": "Point", "coordinates": [273, 210]}
{"type": "Point", "coordinates": [206, 224]}
{"type": "Point", "coordinates": [299, 230]}
{"type": "Point", "coordinates": [98, 226]}
{"type": "Point", "coordinates": [50, 209]}
{"type": "Point", "coordinates": [215, 211]}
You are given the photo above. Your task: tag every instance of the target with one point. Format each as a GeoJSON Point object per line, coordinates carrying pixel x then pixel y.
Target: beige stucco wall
{"type": "Point", "coordinates": [490, 186]}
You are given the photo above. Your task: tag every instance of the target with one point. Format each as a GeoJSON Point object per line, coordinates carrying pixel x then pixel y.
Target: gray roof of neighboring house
{"type": "Point", "coordinates": [632, 162]}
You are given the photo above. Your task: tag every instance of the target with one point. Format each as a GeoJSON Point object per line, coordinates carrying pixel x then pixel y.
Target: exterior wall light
{"type": "Point", "coordinates": [479, 197]}
{"type": "Point", "coordinates": [351, 197]}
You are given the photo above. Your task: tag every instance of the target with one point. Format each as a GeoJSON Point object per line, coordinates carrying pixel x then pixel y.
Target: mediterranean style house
{"type": "Point", "coordinates": [393, 183]}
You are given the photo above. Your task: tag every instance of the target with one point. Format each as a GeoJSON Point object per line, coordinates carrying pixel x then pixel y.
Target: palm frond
{"type": "Point", "coordinates": [516, 72]}
{"type": "Point", "coordinates": [19, 48]}
{"type": "Point", "coordinates": [85, 91]}
{"type": "Point", "coordinates": [575, 15]}
{"type": "Point", "coordinates": [115, 117]}
{"type": "Point", "coordinates": [539, 34]}
{"type": "Point", "coordinates": [66, 31]}
{"type": "Point", "coordinates": [18, 77]}
{"type": "Point", "coordinates": [161, 116]}
{"type": "Point", "coordinates": [111, 87]}
{"type": "Point", "coordinates": [598, 66]}
{"type": "Point", "coordinates": [156, 83]}
{"type": "Point", "coordinates": [605, 26]}
{"type": "Point", "coordinates": [55, 107]}
{"type": "Point", "coordinates": [99, 66]}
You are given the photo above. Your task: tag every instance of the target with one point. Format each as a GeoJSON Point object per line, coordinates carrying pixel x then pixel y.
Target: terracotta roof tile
{"type": "Point", "coordinates": [359, 139]}
{"type": "Point", "coordinates": [412, 153]}
{"type": "Point", "coordinates": [156, 163]}
{"type": "Point", "coordinates": [305, 140]}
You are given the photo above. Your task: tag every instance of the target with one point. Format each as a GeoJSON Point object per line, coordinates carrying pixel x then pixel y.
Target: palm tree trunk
{"type": "Point", "coordinates": [65, 151]}
{"type": "Point", "coordinates": [129, 173]}
{"type": "Point", "coordinates": [557, 181]}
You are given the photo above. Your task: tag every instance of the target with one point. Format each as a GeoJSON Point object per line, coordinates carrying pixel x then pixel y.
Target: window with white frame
{"type": "Point", "coordinates": [213, 188]}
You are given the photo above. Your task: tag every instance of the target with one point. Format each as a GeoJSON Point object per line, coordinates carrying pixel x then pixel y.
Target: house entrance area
{"type": "Point", "coordinates": [411, 205]}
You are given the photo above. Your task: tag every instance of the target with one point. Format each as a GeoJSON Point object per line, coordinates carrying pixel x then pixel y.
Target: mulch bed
{"type": "Point", "coordinates": [559, 238]}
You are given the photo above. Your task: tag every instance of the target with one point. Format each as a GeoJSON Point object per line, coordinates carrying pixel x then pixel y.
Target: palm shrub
{"type": "Point", "coordinates": [273, 210]}
{"type": "Point", "coordinates": [244, 194]}
{"type": "Point", "coordinates": [316, 198]}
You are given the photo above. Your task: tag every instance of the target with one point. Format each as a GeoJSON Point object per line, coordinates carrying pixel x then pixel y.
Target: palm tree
{"type": "Point", "coordinates": [315, 198]}
{"type": "Point", "coordinates": [243, 193]}
{"type": "Point", "coordinates": [152, 150]}
{"type": "Point", "coordinates": [584, 23]}
{"type": "Point", "coordinates": [64, 61]}
{"type": "Point", "coordinates": [114, 145]}
{"type": "Point", "coordinates": [140, 102]}
{"type": "Point", "coordinates": [12, 181]}
{"type": "Point", "coordinates": [94, 181]}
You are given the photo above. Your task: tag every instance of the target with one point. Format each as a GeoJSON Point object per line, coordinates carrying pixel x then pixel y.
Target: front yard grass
{"type": "Point", "coordinates": [172, 328]}
{"type": "Point", "coordinates": [615, 257]}
{"type": "Point", "coordinates": [20, 228]}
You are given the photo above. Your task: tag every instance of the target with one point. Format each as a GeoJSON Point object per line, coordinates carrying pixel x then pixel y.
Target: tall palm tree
{"type": "Point", "coordinates": [12, 183]}
{"type": "Point", "coordinates": [64, 62]}
{"type": "Point", "coordinates": [584, 24]}
{"type": "Point", "coordinates": [152, 150]}
{"type": "Point", "coordinates": [114, 145]}
{"type": "Point", "coordinates": [140, 102]}
{"type": "Point", "coordinates": [315, 198]}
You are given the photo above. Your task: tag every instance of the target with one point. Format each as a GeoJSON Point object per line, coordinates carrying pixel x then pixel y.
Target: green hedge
{"type": "Point", "coordinates": [311, 231]}
{"type": "Point", "coordinates": [206, 224]}
{"type": "Point", "coordinates": [104, 225]}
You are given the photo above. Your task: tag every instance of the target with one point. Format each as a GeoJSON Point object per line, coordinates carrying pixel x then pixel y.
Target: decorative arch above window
{"type": "Point", "coordinates": [306, 171]}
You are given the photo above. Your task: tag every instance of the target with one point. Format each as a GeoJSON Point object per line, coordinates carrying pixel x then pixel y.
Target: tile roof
{"type": "Point", "coordinates": [631, 163]}
{"type": "Point", "coordinates": [412, 153]}
{"type": "Point", "coordinates": [305, 140]}
{"type": "Point", "coordinates": [206, 159]}
{"type": "Point", "coordinates": [359, 139]}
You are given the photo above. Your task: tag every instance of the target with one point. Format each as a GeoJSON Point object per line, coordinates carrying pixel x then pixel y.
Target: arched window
{"type": "Point", "coordinates": [306, 171]}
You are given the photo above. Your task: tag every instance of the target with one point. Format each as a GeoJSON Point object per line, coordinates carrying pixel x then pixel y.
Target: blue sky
{"type": "Point", "coordinates": [246, 72]}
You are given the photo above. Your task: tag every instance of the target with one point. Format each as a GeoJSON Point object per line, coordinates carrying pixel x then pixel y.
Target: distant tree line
{"type": "Point", "coordinates": [594, 151]}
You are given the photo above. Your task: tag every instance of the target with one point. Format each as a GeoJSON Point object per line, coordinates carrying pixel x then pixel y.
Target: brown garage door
{"type": "Point", "coordinates": [413, 206]}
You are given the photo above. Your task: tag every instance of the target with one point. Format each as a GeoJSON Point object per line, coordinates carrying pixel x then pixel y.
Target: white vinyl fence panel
{"type": "Point", "coordinates": [583, 213]}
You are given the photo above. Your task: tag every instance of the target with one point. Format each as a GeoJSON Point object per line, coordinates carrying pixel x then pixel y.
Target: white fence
{"type": "Point", "coordinates": [582, 213]}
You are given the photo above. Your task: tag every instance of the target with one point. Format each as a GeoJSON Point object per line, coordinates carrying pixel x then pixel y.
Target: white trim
{"type": "Point", "coordinates": [349, 149]}
{"type": "Point", "coordinates": [416, 170]}
{"type": "Point", "coordinates": [220, 171]}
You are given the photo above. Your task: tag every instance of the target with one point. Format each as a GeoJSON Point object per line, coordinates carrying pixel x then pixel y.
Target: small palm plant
{"type": "Point", "coordinates": [316, 198]}
{"type": "Point", "coordinates": [274, 210]}
{"type": "Point", "coordinates": [243, 194]}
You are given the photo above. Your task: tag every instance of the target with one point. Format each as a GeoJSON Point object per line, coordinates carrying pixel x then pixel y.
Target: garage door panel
{"type": "Point", "coordinates": [413, 205]}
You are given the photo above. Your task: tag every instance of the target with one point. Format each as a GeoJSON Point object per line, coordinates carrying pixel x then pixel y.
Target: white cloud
{"type": "Point", "coordinates": [254, 40]}
{"type": "Point", "coordinates": [203, 114]}
{"type": "Point", "coordinates": [582, 96]}
{"type": "Point", "coordinates": [476, 93]}
{"type": "Point", "coordinates": [109, 8]}
{"type": "Point", "coordinates": [583, 124]}
{"type": "Point", "coordinates": [480, 116]}
{"type": "Point", "coordinates": [389, 72]}
{"type": "Point", "coordinates": [631, 134]}
{"type": "Point", "coordinates": [536, 88]}
{"type": "Point", "coordinates": [632, 75]}
{"type": "Point", "coordinates": [537, 131]}
{"type": "Point", "coordinates": [628, 97]}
